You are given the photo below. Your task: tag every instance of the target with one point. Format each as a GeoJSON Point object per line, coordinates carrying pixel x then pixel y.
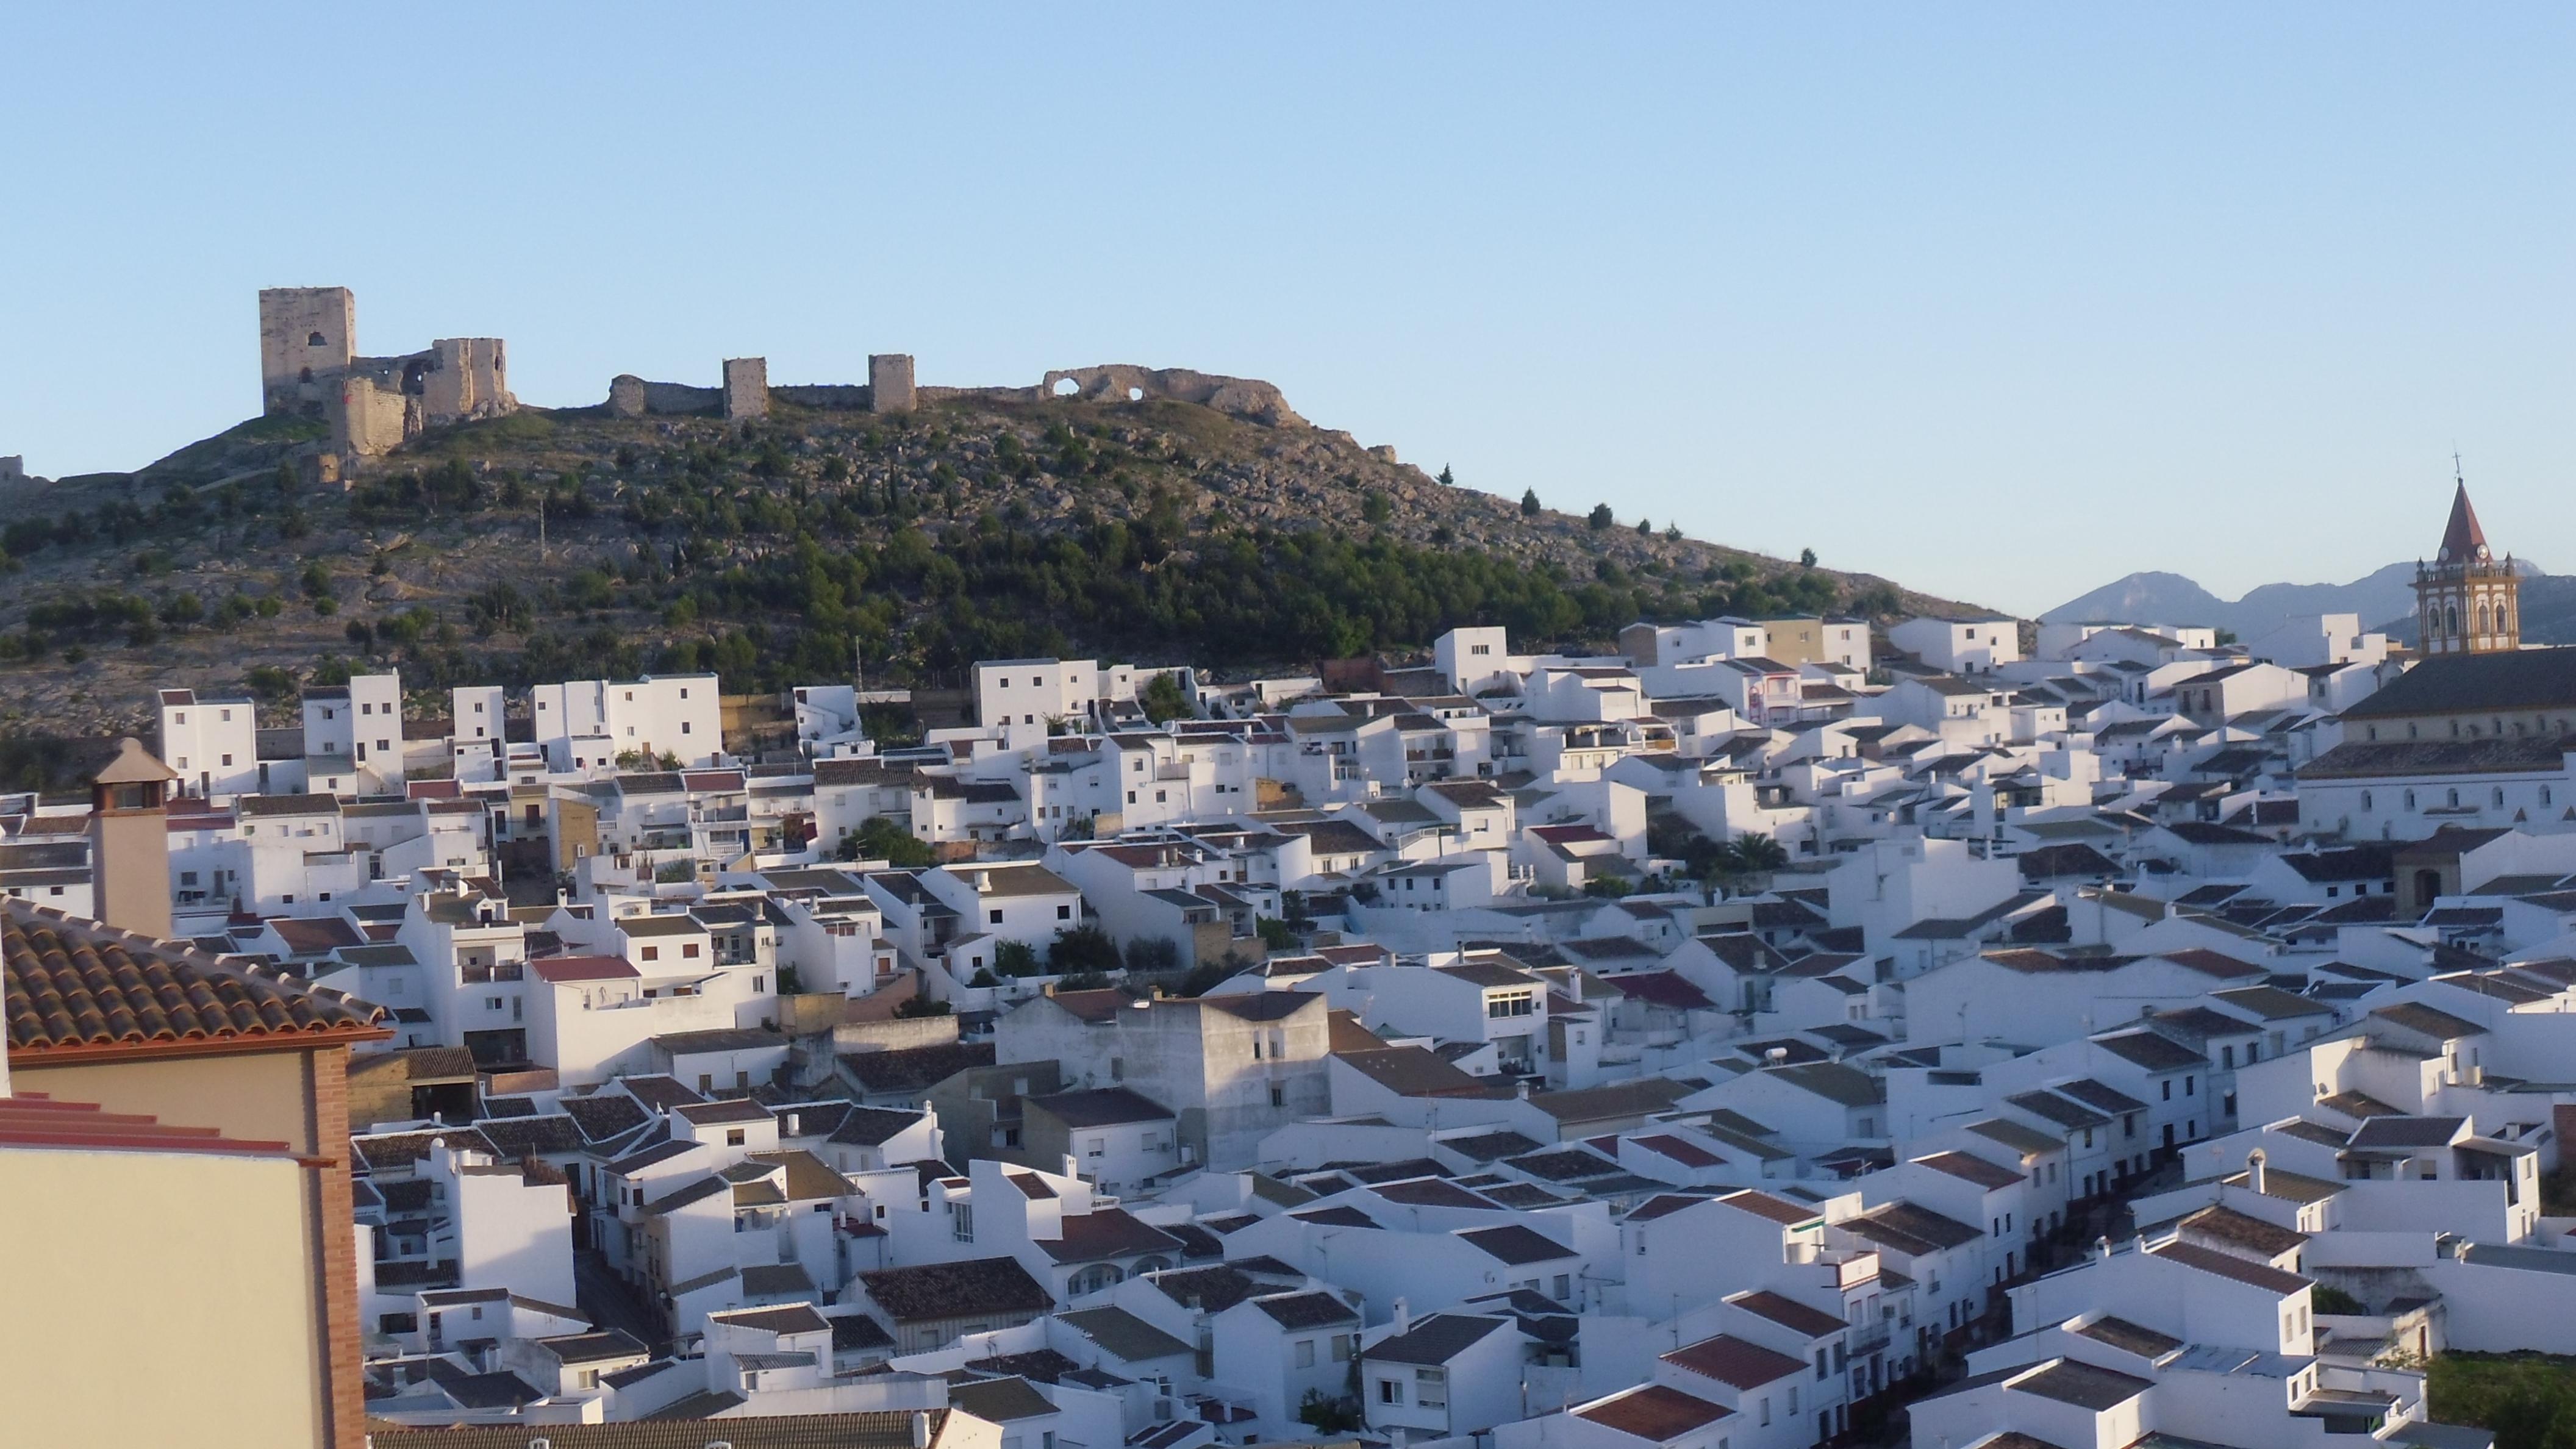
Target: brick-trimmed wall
{"type": "Point", "coordinates": [342, 1332]}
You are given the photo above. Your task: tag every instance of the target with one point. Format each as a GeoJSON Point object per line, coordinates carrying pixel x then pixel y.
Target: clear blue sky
{"type": "Point", "coordinates": [2000, 301]}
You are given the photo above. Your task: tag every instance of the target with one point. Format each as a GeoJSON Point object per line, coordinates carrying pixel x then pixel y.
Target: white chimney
{"type": "Point", "coordinates": [2102, 1248]}
{"type": "Point", "coordinates": [1403, 1317]}
{"type": "Point", "coordinates": [920, 1430]}
{"type": "Point", "coordinates": [2254, 1171]}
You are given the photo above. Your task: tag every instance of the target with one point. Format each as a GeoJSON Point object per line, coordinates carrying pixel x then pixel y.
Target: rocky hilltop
{"type": "Point", "coordinates": [576, 543]}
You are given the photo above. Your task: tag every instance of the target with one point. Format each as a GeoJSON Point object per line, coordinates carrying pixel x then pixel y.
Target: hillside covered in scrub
{"type": "Point", "coordinates": [570, 544]}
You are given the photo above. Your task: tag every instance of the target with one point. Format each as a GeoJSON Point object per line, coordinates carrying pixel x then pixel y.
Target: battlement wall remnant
{"type": "Point", "coordinates": [13, 471]}
{"type": "Point", "coordinates": [679, 397]}
{"type": "Point", "coordinates": [746, 387]}
{"type": "Point", "coordinates": [890, 388]}
{"type": "Point", "coordinates": [839, 396]}
{"type": "Point", "coordinates": [1240, 397]}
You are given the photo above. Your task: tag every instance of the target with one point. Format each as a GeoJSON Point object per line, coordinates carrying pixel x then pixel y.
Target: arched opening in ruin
{"type": "Point", "coordinates": [1135, 394]}
{"type": "Point", "coordinates": [315, 340]}
{"type": "Point", "coordinates": [415, 377]}
{"type": "Point", "coordinates": [1066, 387]}
{"type": "Point", "coordinates": [304, 375]}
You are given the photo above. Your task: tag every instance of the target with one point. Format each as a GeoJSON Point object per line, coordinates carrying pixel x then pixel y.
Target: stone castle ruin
{"type": "Point", "coordinates": [308, 366]}
{"type": "Point", "coordinates": [890, 388]}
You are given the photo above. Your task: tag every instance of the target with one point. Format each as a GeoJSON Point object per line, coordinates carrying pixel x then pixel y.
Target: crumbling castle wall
{"type": "Point", "coordinates": [746, 387]}
{"type": "Point", "coordinates": [679, 397]}
{"type": "Point", "coordinates": [368, 419]}
{"type": "Point", "coordinates": [468, 377]}
{"type": "Point", "coordinates": [976, 394]}
{"type": "Point", "coordinates": [843, 396]}
{"type": "Point", "coordinates": [890, 387]}
{"type": "Point", "coordinates": [1240, 397]}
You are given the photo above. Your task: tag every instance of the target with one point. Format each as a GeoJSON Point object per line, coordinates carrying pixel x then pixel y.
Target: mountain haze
{"type": "Point", "coordinates": [2384, 598]}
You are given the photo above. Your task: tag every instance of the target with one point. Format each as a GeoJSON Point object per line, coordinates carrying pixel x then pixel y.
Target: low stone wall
{"type": "Point", "coordinates": [837, 395]}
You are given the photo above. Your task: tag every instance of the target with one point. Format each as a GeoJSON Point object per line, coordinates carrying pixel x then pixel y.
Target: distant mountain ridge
{"type": "Point", "coordinates": [2384, 598]}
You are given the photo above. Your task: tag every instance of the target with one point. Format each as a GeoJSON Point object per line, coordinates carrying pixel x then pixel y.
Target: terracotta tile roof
{"type": "Point", "coordinates": [1305, 1310]}
{"type": "Point", "coordinates": [583, 968]}
{"type": "Point", "coordinates": [1971, 1168]}
{"type": "Point", "coordinates": [956, 1290]}
{"type": "Point", "coordinates": [1653, 1413]}
{"type": "Point", "coordinates": [914, 1069]}
{"type": "Point", "coordinates": [604, 1115]}
{"type": "Point", "coordinates": [1778, 1210]}
{"type": "Point", "coordinates": [74, 985]}
{"type": "Point", "coordinates": [1738, 1362]}
{"type": "Point", "coordinates": [417, 1065]}
{"type": "Point", "coordinates": [872, 1126]}
{"type": "Point", "coordinates": [1212, 1289]}
{"type": "Point", "coordinates": [1789, 1313]}
{"type": "Point", "coordinates": [2224, 1265]}
{"type": "Point", "coordinates": [1106, 1233]}
{"type": "Point", "coordinates": [387, 1151]}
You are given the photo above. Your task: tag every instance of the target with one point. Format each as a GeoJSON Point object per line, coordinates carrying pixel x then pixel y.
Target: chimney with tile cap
{"type": "Point", "coordinates": [129, 841]}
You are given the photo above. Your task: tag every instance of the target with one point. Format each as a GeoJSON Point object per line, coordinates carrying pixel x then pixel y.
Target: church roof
{"type": "Point", "coordinates": [2463, 541]}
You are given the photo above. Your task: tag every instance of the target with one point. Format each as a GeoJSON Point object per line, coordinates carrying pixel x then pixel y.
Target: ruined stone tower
{"type": "Point", "coordinates": [746, 387]}
{"type": "Point", "coordinates": [306, 337]}
{"type": "Point", "coordinates": [890, 382]}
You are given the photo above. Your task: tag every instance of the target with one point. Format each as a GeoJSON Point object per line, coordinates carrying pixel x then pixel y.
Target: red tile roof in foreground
{"type": "Point", "coordinates": [32, 1119]}
{"type": "Point", "coordinates": [77, 988]}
